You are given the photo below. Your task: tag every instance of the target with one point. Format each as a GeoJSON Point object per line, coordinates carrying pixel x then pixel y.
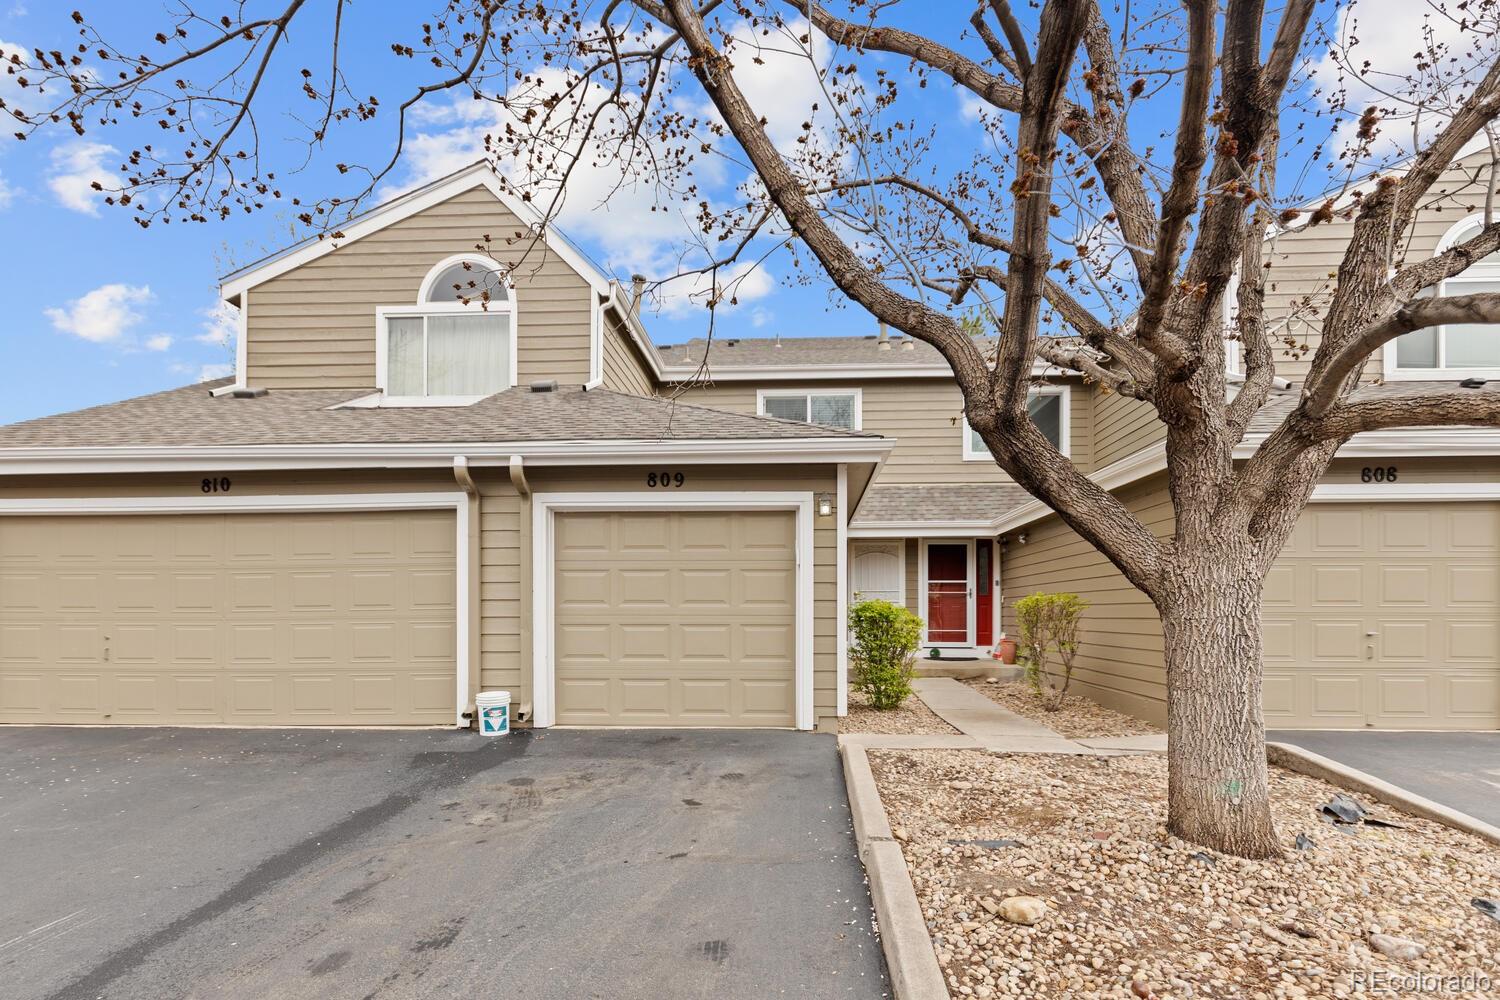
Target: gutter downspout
{"type": "Point", "coordinates": [465, 480]}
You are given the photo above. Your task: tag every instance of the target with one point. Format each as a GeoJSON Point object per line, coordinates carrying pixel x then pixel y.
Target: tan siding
{"type": "Point", "coordinates": [624, 370]}
{"type": "Point", "coordinates": [1120, 660]}
{"type": "Point", "coordinates": [314, 327]}
{"type": "Point", "coordinates": [925, 416]}
{"type": "Point", "coordinates": [1301, 277]}
{"type": "Point", "coordinates": [1122, 426]}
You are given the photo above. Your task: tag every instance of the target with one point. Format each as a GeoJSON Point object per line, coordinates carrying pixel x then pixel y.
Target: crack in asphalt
{"type": "Point", "coordinates": [438, 770]}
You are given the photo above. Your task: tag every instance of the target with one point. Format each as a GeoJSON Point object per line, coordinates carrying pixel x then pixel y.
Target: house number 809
{"type": "Point", "coordinates": [665, 480]}
{"type": "Point", "coordinates": [218, 484]}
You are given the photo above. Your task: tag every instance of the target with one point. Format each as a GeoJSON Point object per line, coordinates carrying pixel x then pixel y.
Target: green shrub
{"type": "Point", "coordinates": [883, 654]}
{"type": "Point", "coordinates": [1049, 624]}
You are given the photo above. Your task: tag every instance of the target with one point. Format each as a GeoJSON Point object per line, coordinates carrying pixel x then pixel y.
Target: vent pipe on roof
{"type": "Point", "coordinates": [883, 342]}
{"type": "Point", "coordinates": [637, 291]}
{"type": "Point", "coordinates": [908, 344]}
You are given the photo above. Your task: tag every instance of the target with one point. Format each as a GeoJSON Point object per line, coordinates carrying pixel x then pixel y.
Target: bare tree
{"type": "Point", "coordinates": [1090, 250]}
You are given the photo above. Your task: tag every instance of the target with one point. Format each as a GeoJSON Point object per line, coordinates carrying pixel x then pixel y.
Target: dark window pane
{"type": "Point", "coordinates": [1046, 413]}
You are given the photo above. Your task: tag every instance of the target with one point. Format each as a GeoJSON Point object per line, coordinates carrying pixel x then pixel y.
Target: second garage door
{"type": "Point", "coordinates": [337, 618]}
{"type": "Point", "coordinates": [676, 618]}
{"type": "Point", "coordinates": [1385, 615]}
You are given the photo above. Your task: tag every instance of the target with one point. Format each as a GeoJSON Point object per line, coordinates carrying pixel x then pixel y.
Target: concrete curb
{"type": "Point", "coordinates": [1295, 758]}
{"type": "Point", "coordinates": [909, 957]}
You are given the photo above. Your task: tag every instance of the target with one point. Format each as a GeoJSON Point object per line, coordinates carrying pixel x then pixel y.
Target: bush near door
{"type": "Point", "coordinates": [1049, 625]}
{"type": "Point", "coordinates": [883, 655]}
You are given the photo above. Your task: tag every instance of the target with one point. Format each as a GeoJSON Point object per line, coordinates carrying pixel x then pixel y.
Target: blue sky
{"type": "Point", "coordinates": [100, 309]}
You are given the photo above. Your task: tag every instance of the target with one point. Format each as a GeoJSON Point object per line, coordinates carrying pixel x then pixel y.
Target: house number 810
{"type": "Point", "coordinates": [218, 485]}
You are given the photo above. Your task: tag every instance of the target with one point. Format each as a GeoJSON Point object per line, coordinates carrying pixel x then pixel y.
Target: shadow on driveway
{"type": "Point", "coordinates": [161, 863]}
{"type": "Point", "coordinates": [1459, 770]}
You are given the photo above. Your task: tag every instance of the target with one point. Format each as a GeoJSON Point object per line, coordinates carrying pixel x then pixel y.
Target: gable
{"type": "Point", "coordinates": [310, 321]}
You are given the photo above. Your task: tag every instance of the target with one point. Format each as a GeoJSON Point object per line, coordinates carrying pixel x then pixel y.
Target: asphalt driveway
{"type": "Point", "coordinates": [1460, 770]}
{"type": "Point", "coordinates": [165, 863]}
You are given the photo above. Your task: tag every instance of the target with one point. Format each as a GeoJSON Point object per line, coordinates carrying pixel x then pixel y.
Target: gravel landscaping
{"type": "Point", "coordinates": [1127, 911]}
{"type": "Point", "coordinates": [913, 718]}
{"type": "Point", "coordinates": [1077, 719]}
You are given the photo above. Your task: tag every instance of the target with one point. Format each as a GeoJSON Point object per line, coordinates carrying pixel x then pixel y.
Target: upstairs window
{"type": "Point", "coordinates": [456, 345]}
{"type": "Point", "coordinates": [1048, 407]}
{"type": "Point", "coordinates": [826, 407]}
{"type": "Point", "coordinates": [1461, 349]}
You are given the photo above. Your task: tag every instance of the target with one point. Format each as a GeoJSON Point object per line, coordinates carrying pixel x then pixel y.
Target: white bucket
{"type": "Point", "coordinates": [494, 712]}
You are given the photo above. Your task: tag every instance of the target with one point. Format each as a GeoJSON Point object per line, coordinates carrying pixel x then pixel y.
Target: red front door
{"type": "Point", "coordinates": [984, 594]}
{"type": "Point", "coordinates": [948, 592]}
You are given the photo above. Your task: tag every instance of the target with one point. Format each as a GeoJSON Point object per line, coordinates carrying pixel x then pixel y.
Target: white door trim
{"type": "Point", "coordinates": [220, 503]}
{"type": "Point", "coordinates": [544, 507]}
{"type": "Point", "coordinates": [841, 514]}
{"type": "Point", "coordinates": [922, 589]}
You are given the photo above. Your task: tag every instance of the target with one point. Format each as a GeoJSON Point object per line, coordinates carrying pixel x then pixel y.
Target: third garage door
{"type": "Point", "coordinates": [676, 618]}
{"type": "Point", "coordinates": [1384, 615]}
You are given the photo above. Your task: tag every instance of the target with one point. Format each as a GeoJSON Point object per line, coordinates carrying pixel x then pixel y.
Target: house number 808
{"type": "Point", "coordinates": [216, 485]}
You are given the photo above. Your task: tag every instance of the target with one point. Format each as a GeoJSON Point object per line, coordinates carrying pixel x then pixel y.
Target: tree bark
{"type": "Point", "coordinates": [1216, 746]}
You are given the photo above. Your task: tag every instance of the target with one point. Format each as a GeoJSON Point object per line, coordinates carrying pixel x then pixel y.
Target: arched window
{"type": "Point", "coordinates": [1459, 349]}
{"type": "Point", "coordinates": [456, 344]}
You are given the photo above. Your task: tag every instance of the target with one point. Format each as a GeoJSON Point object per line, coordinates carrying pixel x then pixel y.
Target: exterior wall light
{"type": "Point", "coordinates": [825, 505]}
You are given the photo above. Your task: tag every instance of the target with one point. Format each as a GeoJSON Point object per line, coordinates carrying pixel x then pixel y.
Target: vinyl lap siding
{"type": "Point", "coordinates": [1120, 662]}
{"type": "Point", "coordinates": [624, 370]}
{"type": "Point", "coordinates": [314, 327]}
{"type": "Point", "coordinates": [925, 416]}
{"type": "Point", "coordinates": [1122, 426]}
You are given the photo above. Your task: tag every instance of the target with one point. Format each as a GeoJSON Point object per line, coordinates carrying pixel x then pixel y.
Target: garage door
{"type": "Point", "coordinates": [675, 619]}
{"type": "Point", "coordinates": [1384, 615]}
{"type": "Point", "coordinates": [246, 619]}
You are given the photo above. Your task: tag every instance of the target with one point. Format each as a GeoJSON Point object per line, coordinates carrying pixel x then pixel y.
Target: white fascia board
{"type": "Point", "coordinates": [32, 461]}
{"type": "Point", "coordinates": [813, 373]}
{"type": "Point", "coordinates": [476, 175]}
{"type": "Point", "coordinates": [921, 529]}
{"type": "Point", "coordinates": [615, 299]}
{"type": "Point", "coordinates": [1407, 442]}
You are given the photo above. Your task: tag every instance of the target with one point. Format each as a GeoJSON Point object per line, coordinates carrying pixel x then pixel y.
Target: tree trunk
{"type": "Point", "coordinates": [1217, 791]}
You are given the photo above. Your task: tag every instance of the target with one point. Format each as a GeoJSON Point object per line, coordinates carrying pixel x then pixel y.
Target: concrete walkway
{"type": "Point", "coordinates": [992, 726]}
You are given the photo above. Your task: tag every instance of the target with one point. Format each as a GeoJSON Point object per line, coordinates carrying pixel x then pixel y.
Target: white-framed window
{"type": "Point", "coordinates": [1048, 406]}
{"type": "Point", "coordinates": [1458, 350]}
{"type": "Point", "coordinates": [825, 407]}
{"type": "Point", "coordinates": [456, 344]}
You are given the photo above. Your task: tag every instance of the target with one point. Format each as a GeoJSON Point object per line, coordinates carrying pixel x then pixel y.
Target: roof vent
{"type": "Point", "coordinates": [731, 343]}
{"type": "Point", "coordinates": [884, 338]}
{"type": "Point", "coordinates": [544, 385]}
{"type": "Point", "coordinates": [246, 392]}
{"type": "Point", "coordinates": [908, 344]}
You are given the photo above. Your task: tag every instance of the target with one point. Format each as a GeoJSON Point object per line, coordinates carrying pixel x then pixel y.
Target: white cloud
{"type": "Point", "coordinates": [14, 95]}
{"type": "Point", "coordinates": [631, 225]}
{"type": "Point", "coordinates": [207, 373]}
{"type": "Point", "coordinates": [221, 325]}
{"type": "Point", "coordinates": [1373, 62]}
{"type": "Point", "coordinates": [160, 342]}
{"type": "Point", "coordinates": [7, 193]}
{"type": "Point", "coordinates": [75, 167]}
{"type": "Point", "coordinates": [103, 315]}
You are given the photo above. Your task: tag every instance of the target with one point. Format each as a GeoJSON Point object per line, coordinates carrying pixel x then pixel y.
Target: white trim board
{"type": "Point", "coordinates": [841, 514]}
{"type": "Point", "coordinates": [544, 507]}
{"type": "Point", "coordinates": [1389, 492]}
{"type": "Point", "coordinates": [135, 458]}
{"type": "Point", "coordinates": [291, 503]}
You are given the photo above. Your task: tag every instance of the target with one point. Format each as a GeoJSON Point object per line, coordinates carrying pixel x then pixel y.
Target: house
{"type": "Point", "coordinates": [403, 498]}
{"type": "Point", "coordinates": [439, 469]}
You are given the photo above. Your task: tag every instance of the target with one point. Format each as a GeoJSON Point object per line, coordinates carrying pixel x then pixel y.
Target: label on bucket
{"type": "Point", "coordinates": [494, 720]}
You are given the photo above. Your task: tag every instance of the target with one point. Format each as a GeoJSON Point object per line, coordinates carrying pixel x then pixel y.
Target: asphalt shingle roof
{"type": "Point", "coordinates": [807, 352]}
{"type": "Point", "coordinates": [190, 417]}
{"type": "Point", "coordinates": [1270, 416]}
{"type": "Point", "coordinates": [947, 502]}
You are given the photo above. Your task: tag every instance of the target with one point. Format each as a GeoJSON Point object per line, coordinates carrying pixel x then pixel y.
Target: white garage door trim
{"type": "Point", "coordinates": [1448, 492]}
{"type": "Point", "coordinates": [278, 503]}
{"type": "Point", "coordinates": [544, 507]}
